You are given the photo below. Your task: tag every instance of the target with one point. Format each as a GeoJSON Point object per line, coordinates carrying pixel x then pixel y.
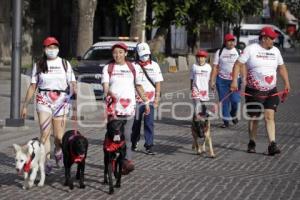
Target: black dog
{"type": "Point", "coordinates": [74, 147]}
{"type": "Point", "coordinates": [114, 149]}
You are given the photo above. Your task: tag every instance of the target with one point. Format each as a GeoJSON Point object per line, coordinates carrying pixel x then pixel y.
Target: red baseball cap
{"type": "Point", "coordinates": [120, 45]}
{"type": "Point", "coordinates": [229, 37]}
{"type": "Point", "coordinates": [49, 41]}
{"type": "Point", "coordinates": [269, 32]}
{"type": "Point", "coordinates": [201, 53]}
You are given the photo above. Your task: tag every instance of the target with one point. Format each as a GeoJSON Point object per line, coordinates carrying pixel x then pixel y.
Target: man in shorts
{"type": "Point", "coordinates": [261, 62]}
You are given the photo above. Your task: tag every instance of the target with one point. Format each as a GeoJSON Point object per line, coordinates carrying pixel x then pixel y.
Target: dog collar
{"type": "Point", "coordinates": [77, 158]}
{"type": "Point", "coordinates": [111, 146]}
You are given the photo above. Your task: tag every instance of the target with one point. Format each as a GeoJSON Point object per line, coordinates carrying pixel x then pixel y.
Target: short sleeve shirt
{"type": "Point", "coordinates": [56, 78]}
{"type": "Point", "coordinates": [154, 73]}
{"type": "Point", "coordinates": [121, 84]}
{"type": "Point", "coordinates": [261, 66]}
{"type": "Point", "coordinates": [200, 75]}
{"type": "Point", "coordinates": [225, 62]}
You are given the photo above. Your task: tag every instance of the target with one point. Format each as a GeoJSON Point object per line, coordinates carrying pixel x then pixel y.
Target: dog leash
{"type": "Point", "coordinates": [281, 94]}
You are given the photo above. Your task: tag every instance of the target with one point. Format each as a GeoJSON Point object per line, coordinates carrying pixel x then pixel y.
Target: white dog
{"type": "Point", "coordinates": [30, 159]}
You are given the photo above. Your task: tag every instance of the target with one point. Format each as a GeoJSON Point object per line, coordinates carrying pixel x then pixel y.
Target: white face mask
{"type": "Point", "coordinates": [144, 58]}
{"type": "Point", "coordinates": [51, 53]}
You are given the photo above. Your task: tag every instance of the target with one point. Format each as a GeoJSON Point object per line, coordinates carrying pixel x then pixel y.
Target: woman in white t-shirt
{"type": "Point", "coordinates": [200, 76]}
{"type": "Point", "coordinates": [262, 62]}
{"type": "Point", "coordinates": [151, 77]}
{"type": "Point", "coordinates": [120, 79]}
{"type": "Point", "coordinates": [54, 81]}
{"type": "Point", "coordinates": [222, 76]}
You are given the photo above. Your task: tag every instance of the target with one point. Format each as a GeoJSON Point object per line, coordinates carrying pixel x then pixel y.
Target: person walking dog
{"type": "Point", "coordinates": [261, 61]}
{"type": "Point", "coordinates": [54, 80]}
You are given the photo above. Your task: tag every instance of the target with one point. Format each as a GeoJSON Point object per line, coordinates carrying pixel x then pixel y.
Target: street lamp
{"type": "Point", "coordinates": [15, 120]}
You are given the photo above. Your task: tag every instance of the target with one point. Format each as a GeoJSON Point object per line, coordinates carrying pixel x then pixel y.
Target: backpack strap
{"type": "Point", "coordinates": [221, 50]}
{"type": "Point", "coordinates": [65, 64]}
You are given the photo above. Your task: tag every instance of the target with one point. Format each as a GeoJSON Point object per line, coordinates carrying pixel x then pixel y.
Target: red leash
{"type": "Point", "coordinates": [281, 94]}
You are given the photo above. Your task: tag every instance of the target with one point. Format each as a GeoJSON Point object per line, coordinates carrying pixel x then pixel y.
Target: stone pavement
{"type": "Point", "coordinates": [176, 172]}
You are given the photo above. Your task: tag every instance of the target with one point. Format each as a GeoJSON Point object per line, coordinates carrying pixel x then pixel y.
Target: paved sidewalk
{"type": "Point", "coordinates": [176, 172]}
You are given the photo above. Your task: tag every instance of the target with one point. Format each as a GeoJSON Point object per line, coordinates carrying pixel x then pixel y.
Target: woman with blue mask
{"type": "Point", "coordinates": [54, 81]}
{"type": "Point", "coordinates": [151, 77]}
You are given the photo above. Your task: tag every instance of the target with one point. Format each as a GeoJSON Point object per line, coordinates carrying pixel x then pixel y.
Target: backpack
{"type": "Point", "coordinates": [111, 66]}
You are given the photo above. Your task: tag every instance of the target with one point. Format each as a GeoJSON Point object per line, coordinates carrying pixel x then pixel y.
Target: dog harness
{"type": "Point", "coordinates": [27, 165]}
{"type": "Point", "coordinates": [75, 158]}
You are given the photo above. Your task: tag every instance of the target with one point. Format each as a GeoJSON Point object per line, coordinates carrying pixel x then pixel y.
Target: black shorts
{"type": "Point", "coordinates": [256, 102]}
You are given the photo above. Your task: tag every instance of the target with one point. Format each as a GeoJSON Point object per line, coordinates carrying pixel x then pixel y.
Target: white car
{"type": "Point", "coordinates": [249, 34]}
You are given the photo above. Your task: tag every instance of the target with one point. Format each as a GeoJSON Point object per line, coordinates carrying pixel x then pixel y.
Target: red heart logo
{"type": "Point", "coordinates": [203, 93]}
{"type": "Point", "coordinates": [149, 95]}
{"type": "Point", "coordinates": [125, 102]}
{"type": "Point", "coordinates": [269, 79]}
{"type": "Point", "coordinates": [53, 95]}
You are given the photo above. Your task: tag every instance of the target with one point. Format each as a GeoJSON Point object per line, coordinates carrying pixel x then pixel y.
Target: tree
{"type": "Point", "coordinates": [86, 12]}
{"type": "Point", "coordinates": [138, 22]}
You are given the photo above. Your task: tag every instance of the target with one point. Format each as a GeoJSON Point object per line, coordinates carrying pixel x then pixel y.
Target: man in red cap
{"type": "Point", "coordinates": [222, 76]}
{"type": "Point", "coordinates": [261, 61]}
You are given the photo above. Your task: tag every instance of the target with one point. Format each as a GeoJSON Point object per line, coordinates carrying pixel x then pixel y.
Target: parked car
{"type": "Point", "coordinates": [249, 34]}
{"type": "Point", "coordinates": [90, 65]}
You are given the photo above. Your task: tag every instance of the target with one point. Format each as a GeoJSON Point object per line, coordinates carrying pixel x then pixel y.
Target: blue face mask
{"type": "Point", "coordinates": [144, 58]}
{"type": "Point", "coordinates": [51, 53]}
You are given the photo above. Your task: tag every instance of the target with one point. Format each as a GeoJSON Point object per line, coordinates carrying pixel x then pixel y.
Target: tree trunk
{"type": "Point", "coordinates": [5, 31]}
{"type": "Point", "coordinates": [138, 22]}
{"type": "Point", "coordinates": [85, 25]}
{"type": "Point", "coordinates": [159, 39]}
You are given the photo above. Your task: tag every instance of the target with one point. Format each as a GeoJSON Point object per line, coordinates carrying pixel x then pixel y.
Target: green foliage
{"type": "Point", "coordinates": [125, 8]}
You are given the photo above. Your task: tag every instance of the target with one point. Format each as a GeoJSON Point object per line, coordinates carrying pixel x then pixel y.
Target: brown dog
{"type": "Point", "coordinates": [201, 129]}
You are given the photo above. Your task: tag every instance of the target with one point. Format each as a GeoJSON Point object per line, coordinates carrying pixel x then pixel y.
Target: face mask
{"type": "Point", "coordinates": [144, 58]}
{"type": "Point", "coordinates": [51, 53]}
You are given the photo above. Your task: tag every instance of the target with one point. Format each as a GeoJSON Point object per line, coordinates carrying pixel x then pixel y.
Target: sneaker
{"type": "Point", "coordinates": [134, 147]}
{"type": "Point", "coordinates": [149, 151]}
{"type": "Point", "coordinates": [251, 147]}
{"type": "Point", "coordinates": [58, 157]}
{"type": "Point", "coordinates": [235, 121]}
{"type": "Point", "coordinates": [273, 149]}
{"type": "Point", "coordinates": [225, 125]}
{"type": "Point", "coordinates": [48, 168]}
{"type": "Point", "coordinates": [127, 167]}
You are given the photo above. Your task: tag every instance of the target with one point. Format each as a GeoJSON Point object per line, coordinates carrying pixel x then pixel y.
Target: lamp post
{"type": "Point", "coordinates": [15, 120]}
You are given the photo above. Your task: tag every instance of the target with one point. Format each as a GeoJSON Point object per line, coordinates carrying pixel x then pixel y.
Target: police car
{"type": "Point", "coordinates": [90, 65]}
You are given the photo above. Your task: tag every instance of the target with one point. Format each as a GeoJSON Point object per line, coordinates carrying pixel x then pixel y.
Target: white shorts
{"type": "Point", "coordinates": [54, 103]}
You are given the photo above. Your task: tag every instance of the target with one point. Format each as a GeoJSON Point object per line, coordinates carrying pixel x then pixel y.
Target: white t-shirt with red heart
{"type": "Point", "coordinates": [225, 62]}
{"type": "Point", "coordinates": [121, 84]}
{"type": "Point", "coordinates": [154, 73]}
{"type": "Point", "coordinates": [200, 76]}
{"type": "Point", "coordinates": [261, 66]}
